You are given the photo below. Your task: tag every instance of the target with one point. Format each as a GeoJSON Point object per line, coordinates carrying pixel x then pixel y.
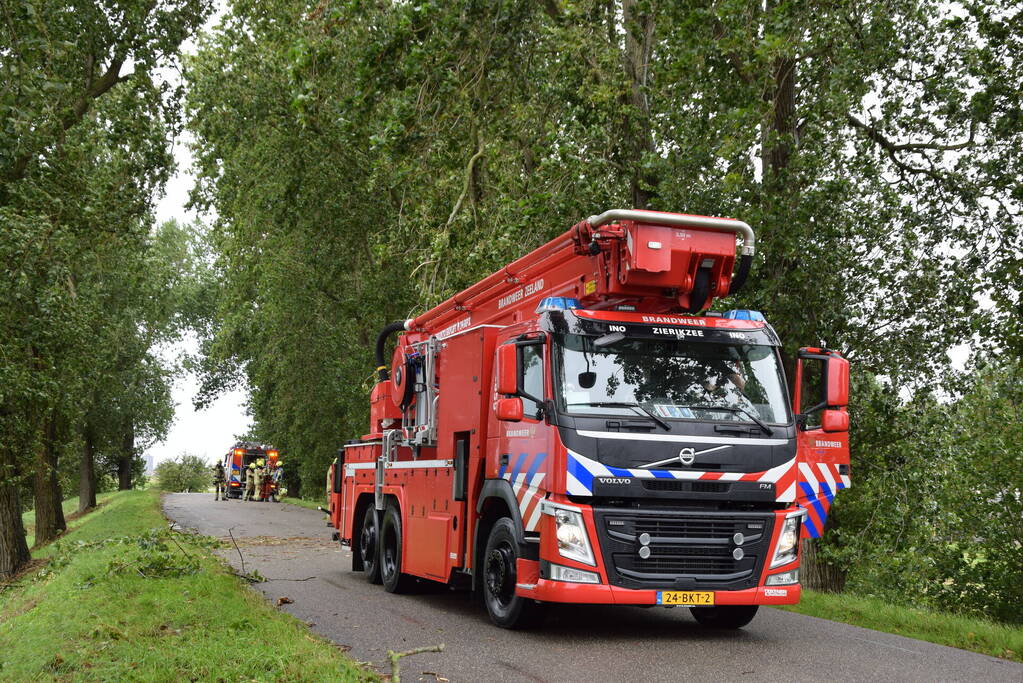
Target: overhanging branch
{"type": "Point", "coordinates": [892, 149]}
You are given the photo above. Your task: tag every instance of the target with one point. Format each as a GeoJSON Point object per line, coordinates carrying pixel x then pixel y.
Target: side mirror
{"type": "Point", "coordinates": [838, 383]}
{"type": "Point", "coordinates": [507, 369]}
{"type": "Point", "coordinates": [509, 409]}
{"type": "Point", "coordinates": [835, 421]}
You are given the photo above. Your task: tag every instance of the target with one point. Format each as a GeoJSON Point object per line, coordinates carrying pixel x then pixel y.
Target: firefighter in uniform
{"type": "Point", "coordinates": [250, 481]}
{"type": "Point", "coordinates": [219, 481]}
{"type": "Point", "coordinates": [259, 474]}
{"type": "Point", "coordinates": [277, 476]}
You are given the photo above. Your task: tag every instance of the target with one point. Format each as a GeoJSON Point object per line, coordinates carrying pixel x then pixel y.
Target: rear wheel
{"type": "Point", "coordinates": [369, 545]}
{"type": "Point", "coordinates": [506, 609]}
{"type": "Point", "coordinates": [724, 616]}
{"type": "Point", "coordinates": [390, 553]}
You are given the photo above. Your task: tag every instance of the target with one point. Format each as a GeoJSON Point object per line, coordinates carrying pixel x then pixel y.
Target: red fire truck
{"type": "Point", "coordinates": [237, 460]}
{"type": "Point", "coordinates": [579, 428]}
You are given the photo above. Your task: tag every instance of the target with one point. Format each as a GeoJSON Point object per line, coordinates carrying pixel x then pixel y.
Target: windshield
{"type": "Point", "coordinates": [673, 379]}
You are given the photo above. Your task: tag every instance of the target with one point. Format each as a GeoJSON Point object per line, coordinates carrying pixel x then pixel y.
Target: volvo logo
{"type": "Point", "coordinates": [686, 456]}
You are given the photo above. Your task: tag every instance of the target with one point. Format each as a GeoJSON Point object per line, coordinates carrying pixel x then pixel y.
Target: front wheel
{"type": "Point", "coordinates": [506, 609]}
{"type": "Point", "coordinates": [368, 545]}
{"type": "Point", "coordinates": [725, 616]}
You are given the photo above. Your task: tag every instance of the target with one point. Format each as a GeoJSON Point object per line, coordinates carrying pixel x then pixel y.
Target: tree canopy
{"type": "Point", "coordinates": [187, 472]}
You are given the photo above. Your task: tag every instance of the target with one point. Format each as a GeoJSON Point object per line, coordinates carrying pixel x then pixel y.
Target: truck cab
{"type": "Point", "coordinates": [656, 458]}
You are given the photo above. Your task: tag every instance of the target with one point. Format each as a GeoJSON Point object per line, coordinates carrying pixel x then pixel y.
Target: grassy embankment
{"type": "Point", "coordinates": [70, 507]}
{"type": "Point", "coordinates": [154, 606]}
{"type": "Point", "coordinates": [966, 633]}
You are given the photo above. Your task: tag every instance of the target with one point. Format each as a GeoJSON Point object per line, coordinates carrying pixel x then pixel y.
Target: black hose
{"type": "Point", "coordinates": [739, 279]}
{"type": "Point", "coordinates": [701, 288]}
{"type": "Point", "coordinates": [383, 371]}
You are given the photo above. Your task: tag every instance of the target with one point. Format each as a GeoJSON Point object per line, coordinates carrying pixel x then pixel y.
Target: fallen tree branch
{"type": "Point", "coordinates": [240, 557]}
{"type": "Point", "coordinates": [393, 657]}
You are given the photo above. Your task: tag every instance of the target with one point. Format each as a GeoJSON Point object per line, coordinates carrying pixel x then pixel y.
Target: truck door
{"type": "Point", "coordinates": [820, 400]}
{"type": "Point", "coordinates": [521, 444]}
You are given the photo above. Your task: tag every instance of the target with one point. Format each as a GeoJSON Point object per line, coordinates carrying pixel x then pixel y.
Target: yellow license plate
{"type": "Point", "coordinates": [685, 597]}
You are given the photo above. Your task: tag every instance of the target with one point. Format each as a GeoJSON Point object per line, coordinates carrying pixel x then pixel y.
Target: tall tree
{"type": "Point", "coordinates": [83, 150]}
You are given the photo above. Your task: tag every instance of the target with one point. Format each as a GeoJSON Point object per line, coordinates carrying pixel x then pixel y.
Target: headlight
{"type": "Point", "coordinates": [573, 542]}
{"type": "Point", "coordinates": [788, 542]}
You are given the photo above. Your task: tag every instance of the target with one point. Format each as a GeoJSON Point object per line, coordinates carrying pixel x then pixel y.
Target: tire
{"type": "Point", "coordinates": [506, 609]}
{"type": "Point", "coordinates": [369, 546]}
{"type": "Point", "coordinates": [391, 540]}
{"type": "Point", "coordinates": [725, 616]}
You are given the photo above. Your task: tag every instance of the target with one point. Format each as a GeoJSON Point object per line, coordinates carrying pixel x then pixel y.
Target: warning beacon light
{"type": "Point", "coordinates": [745, 314]}
{"type": "Point", "coordinates": [557, 303]}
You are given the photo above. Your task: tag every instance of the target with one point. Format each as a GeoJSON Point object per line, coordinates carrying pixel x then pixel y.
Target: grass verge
{"type": "Point", "coordinates": [301, 502]}
{"type": "Point", "coordinates": [966, 633]}
{"type": "Point", "coordinates": [123, 598]}
{"type": "Point", "coordinates": [70, 507]}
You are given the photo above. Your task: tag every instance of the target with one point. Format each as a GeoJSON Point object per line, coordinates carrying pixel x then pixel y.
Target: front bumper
{"type": "Point", "coordinates": [530, 585]}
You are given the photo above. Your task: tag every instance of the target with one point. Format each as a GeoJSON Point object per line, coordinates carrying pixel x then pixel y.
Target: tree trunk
{"type": "Point", "coordinates": [87, 470]}
{"type": "Point", "coordinates": [782, 119]}
{"type": "Point", "coordinates": [126, 462]}
{"type": "Point", "coordinates": [818, 574]}
{"type": "Point", "coordinates": [13, 549]}
{"type": "Point", "coordinates": [293, 482]}
{"type": "Point", "coordinates": [49, 513]}
{"type": "Point", "coordinates": [779, 131]}
{"type": "Point", "coordinates": [639, 34]}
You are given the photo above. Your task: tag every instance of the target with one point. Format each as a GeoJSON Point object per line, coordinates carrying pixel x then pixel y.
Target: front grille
{"type": "Point", "coordinates": [710, 487]}
{"type": "Point", "coordinates": [697, 486]}
{"type": "Point", "coordinates": [669, 528]}
{"type": "Point", "coordinates": [687, 549]}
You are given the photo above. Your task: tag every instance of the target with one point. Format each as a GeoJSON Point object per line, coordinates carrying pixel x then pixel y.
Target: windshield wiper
{"type": "Point", "coordinates": [622, 404]}
{"type": "Point", "coordinates": [737, 409]}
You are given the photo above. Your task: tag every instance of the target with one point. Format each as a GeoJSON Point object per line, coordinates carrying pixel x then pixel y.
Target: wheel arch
{"type": "Point", "coordinates": [497, 500]}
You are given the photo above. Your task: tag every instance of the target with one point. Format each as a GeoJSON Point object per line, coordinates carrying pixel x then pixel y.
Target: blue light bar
{"type": "Point", "coordinates": [745, 314]}
{"type": "Point", "coordinates": [557, 303]}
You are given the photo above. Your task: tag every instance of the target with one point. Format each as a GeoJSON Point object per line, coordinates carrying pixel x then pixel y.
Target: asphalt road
{"type": "Point", "coordinates": [291, 546]}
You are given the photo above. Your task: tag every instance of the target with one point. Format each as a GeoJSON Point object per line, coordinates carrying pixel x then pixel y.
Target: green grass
{"type": "Point", "coordinates": [967, 633]}
{"type": "Point", "coordinates": [302, 502]}
{"type": "Point", "coordinates": [91, 616]}
{"type": "Point", "coordinates": [70, 507]}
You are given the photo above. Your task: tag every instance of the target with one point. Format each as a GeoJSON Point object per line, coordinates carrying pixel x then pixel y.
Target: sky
{"type": "Point", "coordinates": [206, 433]}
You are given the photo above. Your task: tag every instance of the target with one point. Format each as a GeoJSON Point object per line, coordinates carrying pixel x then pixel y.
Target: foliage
{"type": "Point", "coordinates": [93, 617]}
{"type": "Point", "coordinates": [935, 512]}
{"type": "Point", "coordinates": [184, 473]}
